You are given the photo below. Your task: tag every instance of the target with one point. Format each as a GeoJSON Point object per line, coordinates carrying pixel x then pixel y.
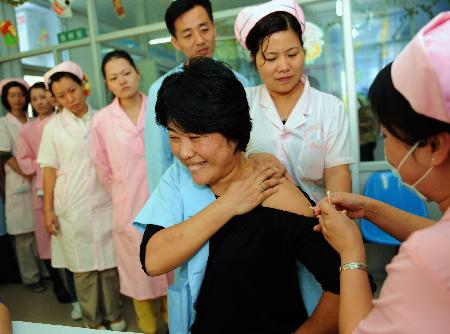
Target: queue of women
{"type": "Point", "coordinates": [239, 217]}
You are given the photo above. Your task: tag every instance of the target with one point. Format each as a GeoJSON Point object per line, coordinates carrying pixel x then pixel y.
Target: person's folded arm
{"type": "Point", "coordinates": [168, 248]}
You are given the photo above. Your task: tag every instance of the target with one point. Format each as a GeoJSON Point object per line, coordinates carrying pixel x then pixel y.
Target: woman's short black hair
{"type": "Point", "coordinates": [59, 75]}
{"type": "Point", "coordinates": [206, 97]}
{"type": "Point", "coordinates": [117, 54]}
{"type": "Point", "coordinates": [268, 25]}
{"type": "Point", "coordinates": [179, 7]}
{"type": "Point", "coordinates": [396, 114]}
{"type": "Point", "coordinates": [5, 90]}
{"type": "Point", "coordinates": [36, 85]}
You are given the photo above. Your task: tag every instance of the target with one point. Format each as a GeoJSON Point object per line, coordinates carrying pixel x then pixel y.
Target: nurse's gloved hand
{"type": "Point", "coordinates": [51, 222]}
{"type": "Point", "coordinates": [261, 159]}
{"type": "Point", "coordinates": [252, 189]}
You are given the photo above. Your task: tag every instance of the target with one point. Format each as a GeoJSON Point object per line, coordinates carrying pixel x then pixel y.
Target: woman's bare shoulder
{"type": "Point", "coordinates": [289, 198]}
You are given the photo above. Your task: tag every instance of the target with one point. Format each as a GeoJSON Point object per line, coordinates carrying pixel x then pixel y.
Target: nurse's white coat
{"type": "Point", "coordinates": [82, 205]}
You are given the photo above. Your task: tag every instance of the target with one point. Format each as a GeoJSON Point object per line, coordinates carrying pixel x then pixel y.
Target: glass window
{"type": "Point", "coordinates": [380, 30]}
{"type": "Point", "coordinates": [323, 43]}
{"type": "Point", "coordinates": [119, 15]}
{"type": "Point", "coordinates": [153, 54]}
{"type": "Point", "coordinates": [43, 61]}
{"type": "Point", "coordinates": [124, 14]}
{"type": "Point", "coordinates": [38, 26]}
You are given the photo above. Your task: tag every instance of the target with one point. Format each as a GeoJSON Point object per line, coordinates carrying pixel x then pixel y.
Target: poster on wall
{"type": "Point", "coordinates": [9, 33]}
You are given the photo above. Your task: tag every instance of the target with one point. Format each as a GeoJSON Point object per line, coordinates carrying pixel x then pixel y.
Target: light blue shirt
{"type": "Point", "coordinates": [176, 199]}
{"type": "Point", "coordinates": [157, 147]}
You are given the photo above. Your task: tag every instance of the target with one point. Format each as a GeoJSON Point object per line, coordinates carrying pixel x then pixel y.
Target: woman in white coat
{"type": "Point", "coordinates": [18, 201]}
{"type": "Point", "coordinates": [27, 149]}
{"type": "Point", "coordinates": [307, 130]}
{"type": "Point", "coordinates": [77, 208]}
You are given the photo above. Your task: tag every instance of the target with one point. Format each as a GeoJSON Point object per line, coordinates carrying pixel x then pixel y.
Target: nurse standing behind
{"type": "Point", "coordinates": [77, 208]}
{"type": "Point", "coordinates": [307, 130]}
{"type": "Point", "coordinates": [27, 150]}
{"type": "Point", "coordinates": [119, 157]}
{"type": "Point", "coordinates": [18, 203]}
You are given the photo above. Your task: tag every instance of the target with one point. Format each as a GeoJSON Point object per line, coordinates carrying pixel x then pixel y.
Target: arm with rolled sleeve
{"type": "Point", "coordinates": [163, 209]}
{"type": "Point", "coordinates": [338, 155]}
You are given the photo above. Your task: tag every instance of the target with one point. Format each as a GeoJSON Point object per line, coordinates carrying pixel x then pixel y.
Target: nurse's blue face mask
{"type": "Point", "coordinates": [396, 172]}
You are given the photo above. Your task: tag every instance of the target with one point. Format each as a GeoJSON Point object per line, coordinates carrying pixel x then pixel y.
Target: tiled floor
{"type": "Point", "coordinates": [44, 308]}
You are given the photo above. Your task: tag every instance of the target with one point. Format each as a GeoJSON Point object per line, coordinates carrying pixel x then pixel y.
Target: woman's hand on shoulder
{"type": "Point", "coordinates": [289, 198]}
{"type": "Point", "coordinates": [246, 194]}
{"type": "Point", "coordinates": [260, 159]}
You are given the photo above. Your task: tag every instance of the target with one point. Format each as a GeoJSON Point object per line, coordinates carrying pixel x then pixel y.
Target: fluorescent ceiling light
{"type": "Point", "coordinates": [161, 40]}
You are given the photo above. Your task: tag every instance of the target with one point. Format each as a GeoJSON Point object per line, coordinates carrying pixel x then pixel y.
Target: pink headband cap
{"type": "Point", "coordinates": [421, 72]}
{"type": "Point", "coordinates": [250, 16]}
{"type": "Point", "coordinates": [4, 82]}
{"type": "Point", "coordinates": [67, 66]}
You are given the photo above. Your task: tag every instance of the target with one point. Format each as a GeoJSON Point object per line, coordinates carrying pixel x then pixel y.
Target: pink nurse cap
{"type": "Point", "coordinates": [67, 66]}
{"type": "Point", "coordinates": [7, 81]}
{"type": "Point", "coordinates": [249, 16]}
{"type": "Point", "coordinates": [421, 72]}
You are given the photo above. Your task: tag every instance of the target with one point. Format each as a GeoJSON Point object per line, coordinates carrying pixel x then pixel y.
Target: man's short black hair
{"type": "Point", "coordinates": [179, 7]}
{"type": "Point", "coordinates": [206, 97]}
